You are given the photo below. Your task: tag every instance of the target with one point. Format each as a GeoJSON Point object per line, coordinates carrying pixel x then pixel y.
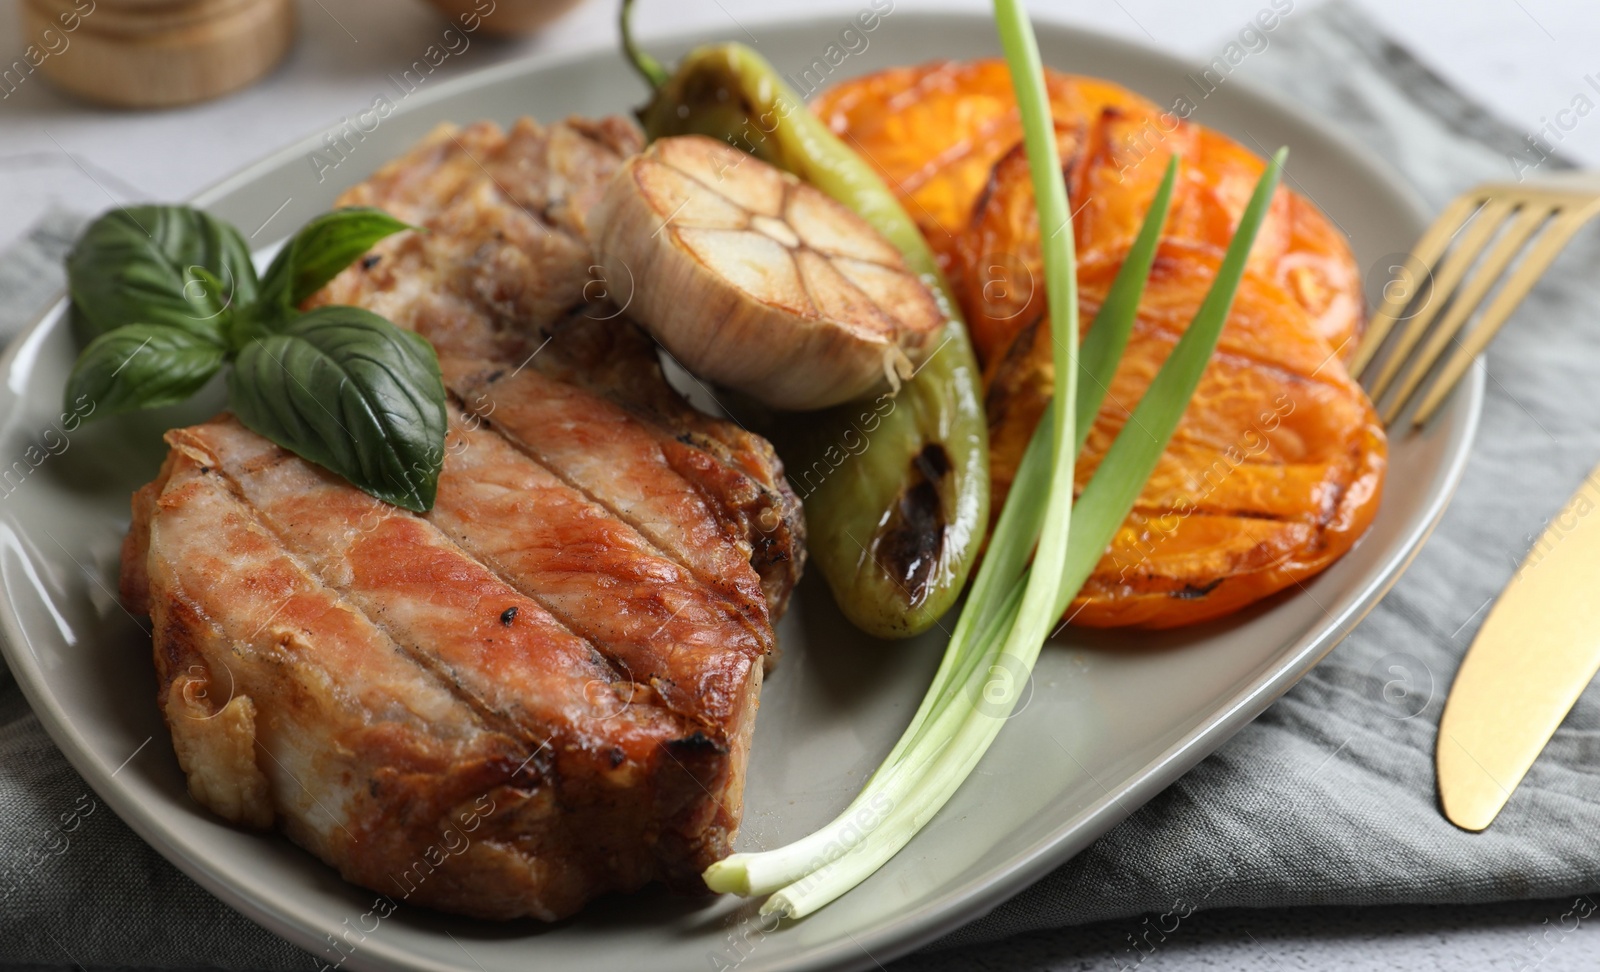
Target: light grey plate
{"type": "Point", "coordinates": [1110, 721]}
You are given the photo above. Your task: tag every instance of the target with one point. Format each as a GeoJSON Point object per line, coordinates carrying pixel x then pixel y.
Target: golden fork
{"type": "Point", "coordinates": [1501, 219]}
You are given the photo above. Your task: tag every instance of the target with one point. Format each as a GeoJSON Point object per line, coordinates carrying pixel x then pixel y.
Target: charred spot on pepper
{"type": "Point", "coordinates": [911, 546]}
{"type": "Point", "coordinates": [508, 615]}
{"type": "Point", "coordinates": [933, 462]}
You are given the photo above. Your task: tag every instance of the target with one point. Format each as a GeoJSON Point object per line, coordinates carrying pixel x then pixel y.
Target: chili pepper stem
{"type": "Point", "coordinates": [648, 67]}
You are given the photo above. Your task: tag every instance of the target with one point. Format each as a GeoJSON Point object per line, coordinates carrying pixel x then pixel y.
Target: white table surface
{"type": "Point", "coordinates": [1525, 59]}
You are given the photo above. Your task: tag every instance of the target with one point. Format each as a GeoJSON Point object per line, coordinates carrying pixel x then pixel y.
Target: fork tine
{"type": "Point", "coordinates": [1528, 272]}
{"type": "Point", "coordinates": [1427, 253]}
{"type": "Point", "coordinates": [1456, 265]}
{"type": "Point", "coordinates": [1516, 236]}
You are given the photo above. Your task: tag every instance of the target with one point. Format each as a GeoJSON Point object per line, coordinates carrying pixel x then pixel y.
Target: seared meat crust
{"type": "Point", "coordinates": [503, 277]}
{"type": "Point", "coordinates": [544, 688]}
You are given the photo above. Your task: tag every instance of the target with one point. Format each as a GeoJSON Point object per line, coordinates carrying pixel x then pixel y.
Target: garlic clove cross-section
{"type": "Point", "coordinates": [756, 280]}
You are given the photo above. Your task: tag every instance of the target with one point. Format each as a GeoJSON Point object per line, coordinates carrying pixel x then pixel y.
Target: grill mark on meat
{"type": "Point", "coordinates": [692, 532]}
{"type": "Point", "coordinates": [689, 808]}
{"type": "Point", "coordinates": [551, 542]}
{"type": "Point", "coordinates": [757, 517]}
{"type": "Point", "coordinates": [560, 426]}
{"type": "Point", "coordinates": [733, 469]}
{"type": "Point", "coordinates": [434, 667]}
{"type": "Point", "coordinates": [412, 580]}
{"type": "Point", "coordinates": [490, 281]}
{"type": "Point", "coordinates": [517, 542]}
{"type": "Point", "coordinates": [328, 671]}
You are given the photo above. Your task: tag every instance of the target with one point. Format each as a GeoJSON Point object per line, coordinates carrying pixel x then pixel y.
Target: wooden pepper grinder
{"type": "Point", "coordinates": [156, 53]}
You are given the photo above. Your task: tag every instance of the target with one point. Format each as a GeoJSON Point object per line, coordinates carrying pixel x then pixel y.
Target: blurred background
{"type": "Point", "coordinates": [1524, 60]}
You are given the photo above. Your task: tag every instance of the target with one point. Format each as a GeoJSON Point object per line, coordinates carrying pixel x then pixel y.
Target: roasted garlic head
{"type": "Point", "coordinates": [758, 281]}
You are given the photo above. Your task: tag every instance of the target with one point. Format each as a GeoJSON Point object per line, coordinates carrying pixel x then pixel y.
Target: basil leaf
{"type": "Point", "coordinates": [150, 264]}
{"type": "Point", "coordinates": [142, 366]}
{"type": "Point", "coordinates": [347, 390]}
{"type": "Point", "coordinates": [321, 249]}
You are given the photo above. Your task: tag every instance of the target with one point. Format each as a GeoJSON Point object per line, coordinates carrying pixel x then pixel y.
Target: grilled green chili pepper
{"type": "Point", "coordinates": [896, 488]}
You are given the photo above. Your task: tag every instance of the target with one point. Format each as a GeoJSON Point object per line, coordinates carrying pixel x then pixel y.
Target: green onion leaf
{"type": "Point", "coordinates": [1111, 493]}
{"type": "Point", "coordinates": [954, 757]}
{"type": "Point", "coordinates": [1011, 606]}
{"type": "Point", "coordinates": [1104, 344]}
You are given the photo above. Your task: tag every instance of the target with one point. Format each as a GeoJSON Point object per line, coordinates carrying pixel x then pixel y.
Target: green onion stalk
{"type": "Point", "coordinates": [1012, 603]}
{"type": "Point", "coordinates": [942, 741]}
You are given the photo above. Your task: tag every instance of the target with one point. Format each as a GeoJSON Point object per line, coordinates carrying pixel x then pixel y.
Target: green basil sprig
{"type": "Point", "coordinates": [169, 296]}
{"type": "Point", "coordinates": [321, 249]}
{"type": "Point", "coordinates": [143, 366]}
{"type": "Point", "coordinates": [349, 391]}
{"type": "Point", "coordinates": [159, 265]}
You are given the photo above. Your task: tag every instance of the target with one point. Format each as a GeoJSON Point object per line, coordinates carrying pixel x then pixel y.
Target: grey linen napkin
{"type": "Point", "coordinates": [1327, 799]}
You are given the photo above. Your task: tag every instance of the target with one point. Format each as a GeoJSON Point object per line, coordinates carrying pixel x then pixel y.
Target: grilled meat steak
{"type": "Point", "coordinates": [544, 688]}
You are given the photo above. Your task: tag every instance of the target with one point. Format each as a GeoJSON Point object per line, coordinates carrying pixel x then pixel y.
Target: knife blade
{"type": "Point", "coordinates": [1536, 652]}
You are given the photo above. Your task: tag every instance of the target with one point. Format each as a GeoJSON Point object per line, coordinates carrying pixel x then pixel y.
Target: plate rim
{"type": "Point", "coordinates": [963, 902]}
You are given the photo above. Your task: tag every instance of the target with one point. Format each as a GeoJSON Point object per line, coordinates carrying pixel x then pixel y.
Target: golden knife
{"type": "Point", "coordinates": [1536, 652]}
